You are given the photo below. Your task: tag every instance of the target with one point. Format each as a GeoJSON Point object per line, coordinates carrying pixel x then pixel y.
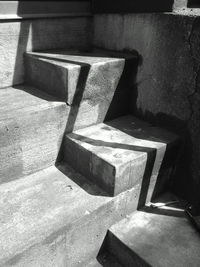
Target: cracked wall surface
{"type": "Point", "coordinates": [168, 81]}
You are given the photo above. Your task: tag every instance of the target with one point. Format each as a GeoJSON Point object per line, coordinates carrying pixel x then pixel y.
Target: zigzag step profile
{"type": "Point", "coordinates": [118, 154]}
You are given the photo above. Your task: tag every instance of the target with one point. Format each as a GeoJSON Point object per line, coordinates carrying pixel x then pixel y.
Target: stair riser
{"type": "Point", "coordinates": [31, 142]}
{"type": "Point", "coordinates": [73, 82]}
{"type": "Point", "coordinates": [82, 241]}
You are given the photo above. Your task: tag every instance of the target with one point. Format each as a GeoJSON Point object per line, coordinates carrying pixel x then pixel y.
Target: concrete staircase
{"type": "Point", "coordinates": [69, 169]}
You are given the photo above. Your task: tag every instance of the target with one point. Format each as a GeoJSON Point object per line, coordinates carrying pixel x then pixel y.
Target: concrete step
{"type": "Point", "coordinates": [160, 237]}
{"type": "Point", "coordinates": [120, 153]}
{"type": "Point", "coordinates": [32, 125]}
{"type": "Point", "coordinates": [56, 217]}
{"type": "Point", "coordinates": [77, 75]}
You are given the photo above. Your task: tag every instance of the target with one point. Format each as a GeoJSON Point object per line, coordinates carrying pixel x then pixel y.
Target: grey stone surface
{"type": "Point", "coordinates": [31, 130]}
{"type": "Point", "coordinates": [155, 238]}
{"type": "Point", "coordinates": [115, 154]}
{"type": "Point", "coordinates": [57, 218]}
{"type": "Point", "coordinates": [32, 124]}
{"type": "Point", "coordinates": [167, 90]}
{"type": "Point", "coordinates": [17, 37]}
{"type": "Point", "coordinates": [73, 75]}
{"type": "Point", "coordinates": [89, 112]}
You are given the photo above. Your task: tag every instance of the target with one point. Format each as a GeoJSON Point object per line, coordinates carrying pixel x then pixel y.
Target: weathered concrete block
{"type": "Point", "coordinates": [74, 76]}
{"type": "Point", "coordinates": [117, 154]}
{"type": "Point", "coordinates": [31, 130]}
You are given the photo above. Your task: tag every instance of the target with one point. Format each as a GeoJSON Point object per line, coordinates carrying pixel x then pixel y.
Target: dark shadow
{"type": "Point", "coordinates": [193, 3]}
{"type": "Point", "coordinates": [181, 183]}
{"type": "Point", "coordinates": [136, 6]}
{"type": "Point", "coordinates": [126, 87]}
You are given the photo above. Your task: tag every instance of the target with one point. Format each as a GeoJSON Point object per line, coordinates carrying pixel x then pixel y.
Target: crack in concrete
{"type": "Point", "coordinates": [196, 69]}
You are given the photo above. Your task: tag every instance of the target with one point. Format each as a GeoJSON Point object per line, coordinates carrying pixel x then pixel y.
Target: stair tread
{"type": "Point", "coordinates": [34, 207]}
{"type": "Point", "coordinates": [19, 100]}
{"type": "Point", "coordinates": [159, 238]}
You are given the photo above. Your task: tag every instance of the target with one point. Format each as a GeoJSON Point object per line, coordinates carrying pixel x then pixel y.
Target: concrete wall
{"type": "Point", "coordinates": [18, 36]}
{"type": "Point", "coordinates": [168, 82]}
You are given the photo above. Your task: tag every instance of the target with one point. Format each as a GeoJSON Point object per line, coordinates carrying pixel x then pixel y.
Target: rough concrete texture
{"type": "Point", "coordinates": [57, 218]}
{"type": "Point", "coordinates": [167, 90]}
{"type": "Point", "coordinates": [17, 37]}
{"type": "Point", "coordinates": [73, 75]}
{"type": "Point", "coordinates": [31, 128]}
{"type": "Point", "coordinates": [32, 124]}
{"type": "Point", "coordinates": [150, 239]}
{"type": "Point", "coordinates": [119, 153]}
{"type": "Point", "coordinates": [92, 111]}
